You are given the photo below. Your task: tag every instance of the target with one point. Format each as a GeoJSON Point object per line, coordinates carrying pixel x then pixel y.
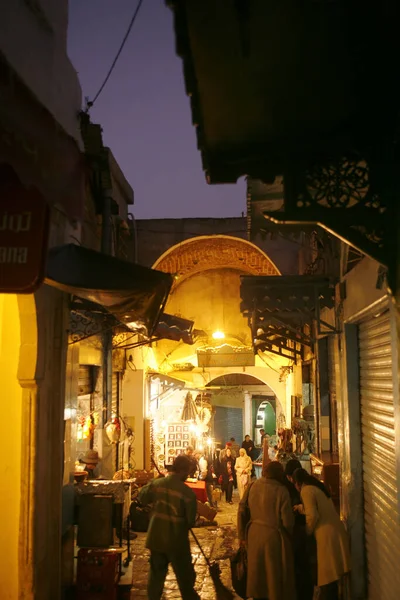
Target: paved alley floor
{"type": "Point", "coordinates": [217, 542]}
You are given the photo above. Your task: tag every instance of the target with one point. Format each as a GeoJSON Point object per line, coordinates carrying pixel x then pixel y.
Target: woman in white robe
{"type": "Point", "coordinates": [243, 467]}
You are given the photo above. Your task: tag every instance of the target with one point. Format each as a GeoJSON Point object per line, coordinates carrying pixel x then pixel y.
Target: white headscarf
{"type": "Point", "coordinates": [243, 461]}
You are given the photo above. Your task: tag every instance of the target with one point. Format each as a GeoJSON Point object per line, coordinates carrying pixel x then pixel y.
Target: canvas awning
{"type": "Point", "coordinates": [175, 328]}
{"type": "Point", "coordinates": [133, 294]}
{"type": "Point", "coordinates": [167, 379]}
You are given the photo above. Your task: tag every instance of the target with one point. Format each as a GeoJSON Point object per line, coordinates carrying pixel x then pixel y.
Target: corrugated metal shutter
{"type": "Point", "coordinates": [85, 380]}
{"type": "Point", "coordinates": [381, 506]}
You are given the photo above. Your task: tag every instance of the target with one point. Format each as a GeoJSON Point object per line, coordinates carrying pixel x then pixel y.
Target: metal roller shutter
{"type": "Point", "coordinates": [85, 380]}
{"type": "Point", "coordinates": [381, 505]}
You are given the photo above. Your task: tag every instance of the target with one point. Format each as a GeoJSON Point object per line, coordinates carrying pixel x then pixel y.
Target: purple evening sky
{"type": "Point", "coordinates": [144, 110]}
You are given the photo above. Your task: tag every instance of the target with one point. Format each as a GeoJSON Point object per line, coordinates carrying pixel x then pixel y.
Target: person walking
{"type": "Point", "coordinates": [235, 447]}
{"type": "Point", "coordinates": [206, 475]}
{"type": "Point", "coordinates": [174, 513]}
{"type": "Point", "coordinates": [243, 467]}
{"type": "Point", "coordinates": [228, 475]}
{"type": "Point", "coordinates": [322, 520]}
{"type": "Point", "coordinates": [248, 445]}
{"type": "Point", "coordinates": [265, 523]}
{"type": "Point", "coordinates": [222, 454]}
{"type": "Point", "coordinates": [304, 548]}
{"type": "Point", "coordinates": [193, 462]}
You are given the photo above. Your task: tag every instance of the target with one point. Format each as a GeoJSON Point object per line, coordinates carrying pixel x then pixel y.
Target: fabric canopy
{"type": "Point", "coordinates": [175, 328]}
{"type": "Point", "coordinates": [133, 294]}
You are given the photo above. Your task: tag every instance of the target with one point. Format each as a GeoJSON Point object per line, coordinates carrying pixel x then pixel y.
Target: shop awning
{"type": "Point", "coordinates": [175, 328]}
{"type": "Point", "coordinates": [133, 294]}
{"type": "Point", "coordinates": [167, 379]}
{"type": "Point", "coordinates": [281, 310]}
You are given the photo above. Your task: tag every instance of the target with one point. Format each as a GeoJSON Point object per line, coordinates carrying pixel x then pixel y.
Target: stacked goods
{"type": "Point", "coordinates": [97, 575]}
{"type": "Point", "coordinates": [143, 477]}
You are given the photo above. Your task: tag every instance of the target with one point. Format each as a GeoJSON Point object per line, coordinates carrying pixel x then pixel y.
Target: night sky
{"type": "Point", "coordinates": [144, 111]}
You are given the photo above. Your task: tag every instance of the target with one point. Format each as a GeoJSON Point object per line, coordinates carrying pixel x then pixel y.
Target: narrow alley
{"type": "Point", "coordinates": [218, 542]}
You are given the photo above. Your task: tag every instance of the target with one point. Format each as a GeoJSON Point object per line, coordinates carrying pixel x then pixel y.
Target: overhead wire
{"type": "Point", "coordinates": [90, 103]}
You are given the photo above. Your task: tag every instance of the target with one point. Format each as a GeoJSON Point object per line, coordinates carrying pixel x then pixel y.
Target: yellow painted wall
{"type": "Point", "coordinates": [10, 446]}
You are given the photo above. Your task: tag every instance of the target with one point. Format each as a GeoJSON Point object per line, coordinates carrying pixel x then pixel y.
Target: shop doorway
{"type": "Point", "coordinates": [265, 415]}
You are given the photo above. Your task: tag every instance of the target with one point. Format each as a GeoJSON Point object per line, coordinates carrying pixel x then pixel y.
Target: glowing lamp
{"type": "Point", "coordinates": [218, 335]}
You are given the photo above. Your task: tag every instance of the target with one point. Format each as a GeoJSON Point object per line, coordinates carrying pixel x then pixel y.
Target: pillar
{"type": "Point", "coordinates": [134, 410]}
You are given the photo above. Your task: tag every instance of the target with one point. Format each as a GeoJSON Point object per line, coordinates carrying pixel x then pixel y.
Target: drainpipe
{"type": "Point", "coordinates": [317, 392]}
{"type": "Point", "coordinates": [106, 248]}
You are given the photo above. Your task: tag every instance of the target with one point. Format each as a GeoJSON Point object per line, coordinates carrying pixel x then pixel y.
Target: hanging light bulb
{"type": "Point", "coordinates": [218, 335]}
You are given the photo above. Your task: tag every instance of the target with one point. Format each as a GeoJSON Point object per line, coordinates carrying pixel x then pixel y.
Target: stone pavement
{"type": "Point", "coordinates": [218, 542]}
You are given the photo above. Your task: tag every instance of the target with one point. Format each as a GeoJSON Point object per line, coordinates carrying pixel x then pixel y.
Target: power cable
{"type": "Point", "coordinates": [90, 103]}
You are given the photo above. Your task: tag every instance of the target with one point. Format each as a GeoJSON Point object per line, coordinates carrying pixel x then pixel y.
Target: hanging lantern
{"type": "Point", "coordinates": [113, 430]}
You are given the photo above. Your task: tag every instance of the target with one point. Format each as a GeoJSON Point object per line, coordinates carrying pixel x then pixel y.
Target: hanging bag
{"type": "Point", "coordinates": [239, 572]}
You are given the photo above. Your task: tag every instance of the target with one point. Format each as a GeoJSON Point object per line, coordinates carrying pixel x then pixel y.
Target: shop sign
{"type": "Point", "coordinates": [24, 230]}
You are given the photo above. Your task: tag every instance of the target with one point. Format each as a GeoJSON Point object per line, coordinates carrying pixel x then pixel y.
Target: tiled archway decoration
{"type": "Point", "coordinates": [215, 252]}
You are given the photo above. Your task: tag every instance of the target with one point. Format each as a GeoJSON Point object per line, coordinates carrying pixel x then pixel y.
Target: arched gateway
{"type": "Point", "coordinates": [212, 252]}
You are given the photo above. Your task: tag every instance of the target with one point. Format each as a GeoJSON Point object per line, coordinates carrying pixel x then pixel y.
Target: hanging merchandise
{"type": "Point", "coordinates": [203, 419]}
{"type": "Point", "coordinates": [189, 412]}
{"type": "Point", "coordinates": [113, 430]}
{"type": "Point", "coordinates": [86, 424]}
{"type": "Point", "coordinates": [87, 429]}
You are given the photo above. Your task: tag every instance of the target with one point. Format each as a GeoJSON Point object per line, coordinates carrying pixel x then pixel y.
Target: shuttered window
{"type": "Point", "coordinates": [85, 380]}
{"type": "Point", "coordinates": [381, 504]}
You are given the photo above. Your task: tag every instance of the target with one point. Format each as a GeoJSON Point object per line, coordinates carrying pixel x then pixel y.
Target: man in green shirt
{"type": "Point", "coordinates": [174, 513]}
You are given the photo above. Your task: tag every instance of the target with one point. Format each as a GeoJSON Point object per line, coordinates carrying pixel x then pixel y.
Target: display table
{"type": "Point", "coordinates": [199, 488]}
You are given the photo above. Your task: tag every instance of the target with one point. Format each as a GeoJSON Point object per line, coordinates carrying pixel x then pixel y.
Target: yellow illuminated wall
{"type": "Point", "coordinates": [10, 445]}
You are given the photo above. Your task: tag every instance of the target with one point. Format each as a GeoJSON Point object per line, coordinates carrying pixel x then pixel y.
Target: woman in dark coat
{"type": "Point", "coordinates": [304, 549]}
{"type": "Point", "coordinates": [228, 475]}
{"type": "Point", "coordinates": [265, 523]}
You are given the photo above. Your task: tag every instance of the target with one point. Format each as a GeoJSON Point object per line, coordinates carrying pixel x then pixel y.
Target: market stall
{"type": "Point", "coordinates": [180, 419]}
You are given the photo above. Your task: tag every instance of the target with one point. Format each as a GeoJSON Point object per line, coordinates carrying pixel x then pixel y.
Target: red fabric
{"type": "Point", "coordinates": [199, 488]}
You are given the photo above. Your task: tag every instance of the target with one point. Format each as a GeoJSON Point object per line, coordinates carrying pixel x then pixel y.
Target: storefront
{"type": "Point", "coordinates": [379, 432]}
{"type": "Point", "coordinates": [181, 418]}
{"type": "Point", "coordinates": [41, 186]}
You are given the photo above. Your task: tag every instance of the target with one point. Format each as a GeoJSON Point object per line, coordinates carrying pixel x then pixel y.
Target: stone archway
{"type": "Point", "coordinates": [211, 252]}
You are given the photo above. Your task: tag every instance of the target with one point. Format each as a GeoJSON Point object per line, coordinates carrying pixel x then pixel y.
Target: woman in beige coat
{"type": "Point", "coordinates": [265, 522]}
{"type": "Point", "coordinates": [243, 467]}
{"type": "Point", "coordinates": [322, 520]}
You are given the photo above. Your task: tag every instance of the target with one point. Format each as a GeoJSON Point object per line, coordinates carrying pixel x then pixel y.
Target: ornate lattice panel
{"type": "Point", "coordinates": [353, 197]}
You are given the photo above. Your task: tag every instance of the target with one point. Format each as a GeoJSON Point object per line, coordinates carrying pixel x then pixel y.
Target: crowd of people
{"type": "Point", "coordinates": [287, 522]}
{"type": "Point", "coordinates": [293, 534]}
{"type": "Point", "coordinates": [230, 467]}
